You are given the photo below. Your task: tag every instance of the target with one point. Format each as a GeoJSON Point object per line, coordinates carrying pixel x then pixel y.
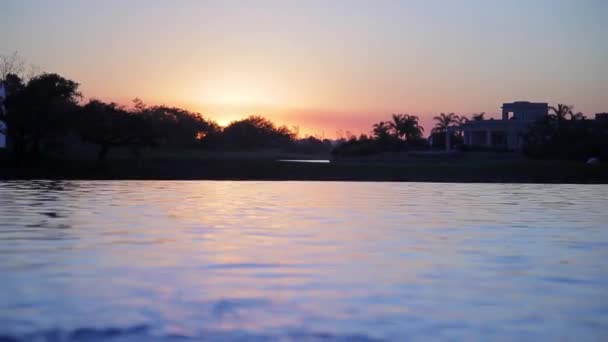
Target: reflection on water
{"type": "Point", "coordinates": [314, 161]}
{"type": "Point", "coordinates": [126, 260]}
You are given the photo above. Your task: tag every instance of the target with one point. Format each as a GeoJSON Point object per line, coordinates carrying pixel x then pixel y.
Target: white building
{"type": "Point", "coordinates": [507, 132]}
{"type": "Point", "coordinates": [2, 111]}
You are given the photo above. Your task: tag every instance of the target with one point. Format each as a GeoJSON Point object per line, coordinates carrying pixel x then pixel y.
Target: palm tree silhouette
{"type": "Point", "coordinates": [577, 116]}
{"type": "Point", "coordinates": [445, 121]}
{"type": "Point", "coordinates": [461, 120]}
{"type": "Point", "coordinates": [405, 126]}
{"type": "Point", "coordinates": [478, 116]}
{"type": "Point", "coordinates": [381, 130]}
{"type": "Point", "coordinates": [560, 112]}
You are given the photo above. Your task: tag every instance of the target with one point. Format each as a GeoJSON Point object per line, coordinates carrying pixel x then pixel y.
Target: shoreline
{"type": "Point", "coordinates": [440, 170]}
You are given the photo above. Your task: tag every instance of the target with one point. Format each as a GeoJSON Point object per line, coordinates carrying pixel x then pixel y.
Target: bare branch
{"type": "Point", "coordinates": [11, 64]}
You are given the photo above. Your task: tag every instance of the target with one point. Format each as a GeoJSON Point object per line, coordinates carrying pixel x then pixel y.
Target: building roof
{"type": "Point", "coordinates": [525, 104]}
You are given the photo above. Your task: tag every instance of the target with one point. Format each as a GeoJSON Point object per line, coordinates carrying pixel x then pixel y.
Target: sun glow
{"type": "Point", "coordinates": [223, 122]}
{"type": "Point", "coordinates": [243, 89]}
{"type": "Point", "coordinates": [237, 97]}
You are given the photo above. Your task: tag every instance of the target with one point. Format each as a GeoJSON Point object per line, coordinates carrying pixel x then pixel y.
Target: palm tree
{"type": "Point", "coordinates": [577, 116]}
{"type": "Point", "coordinates": [381, 130]}
{"type": "Point", "coordinates": [478, 116]}
{"type": "Point", "coordinates": [405, 126]}
{"type": "Point", "coordinates": [444, 121]}
{"type": "Point", "coordinates": [460, 122]}
{"type": "Point", "coordinates": [560, 112]}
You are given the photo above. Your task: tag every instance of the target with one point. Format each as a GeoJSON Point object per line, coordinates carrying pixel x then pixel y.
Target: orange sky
{"type": "Point", "coordinates": [322, 65]}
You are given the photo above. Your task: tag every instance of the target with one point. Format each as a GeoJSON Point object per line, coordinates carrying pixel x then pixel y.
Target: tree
{"type": "Point", "coordinates": [406, 127]}
{"type": "Point", "coordinates": [176, 126]}
{"type": "Point", "coordinates": [53, 98]}
{"type": "Point", "coordinates": [110, 125]}
{"type": "Point", "coordinates": [39, 112]}
{"type": "Point", "coordinates": [460, 122]}
{"type": "Point", "coordinates": [576, 116]}
{"type": "Point", "coordinates": [254, 132]}
{"type": "Point", "coordinates": [11, 64]}
{"type": "Point", "coordinates": [566, 134]}
{"type": "Point", "coordinates": [382, 131]}
{"type": "Point", "coordinates": [478, 116]}
{"type": "Point", "coordinates": [310, 145]}
{"type": "Point", "coordinates": [444, 122]}
{"type": "Point", "coordinates": [16, 65]}
{"type": "Point", "coordinates": [574, 139]}
{"type": "Point", "coordinates": [560, 112]}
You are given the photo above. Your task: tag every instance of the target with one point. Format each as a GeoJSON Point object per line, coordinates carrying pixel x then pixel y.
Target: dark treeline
{"type": "Point", "coordinates": [403, 132]}
{"type": "Point", "coordinates": [564, 134]}
{"type": "Point", "coordinates": [45, 114]}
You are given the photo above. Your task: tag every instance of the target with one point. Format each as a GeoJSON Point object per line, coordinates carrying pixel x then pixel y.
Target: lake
{"type": "Point", "coordinates": [314, 261]}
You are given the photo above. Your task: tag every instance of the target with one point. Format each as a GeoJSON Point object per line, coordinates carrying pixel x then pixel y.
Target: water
{"type": "Point", "coordinates": [314, 261]}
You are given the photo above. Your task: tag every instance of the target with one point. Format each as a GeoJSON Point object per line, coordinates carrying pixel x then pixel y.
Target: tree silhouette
{"type": "Point", "coordinates": [445, 121]}
{"type": "Point", "coordinates": [382, 131]}
{"type": "Point", "coordinates": [577, 116]}
{"type": "Point", "coordinates": [478, 116]}
{"type": "Point", "coordinates": [460, 122]}
{"type": "Point", "coordinates": [406, 127]}
{"type": "Point", "coordinates": [560, 112]}
{"type": "Point", "coordinates": [39, 112]}
{"type": "Point", "coordinates": [11, 64]}
{"type": "Point", "coordinates": [256, 131]}
{"type": "Point", "coordinates": [566, 134]}
{"type": "Point", "coordinates": [52, 100]}
{"type": "Point", "coordinates": [17, 65]}
{"type": "Point", "coordinates": [110, 125]}
{"type": "Point", "coordinates": [176, 126]}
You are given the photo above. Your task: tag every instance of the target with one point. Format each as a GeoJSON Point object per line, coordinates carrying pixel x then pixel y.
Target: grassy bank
{"type": "Point", "coordinates": [226, 166]}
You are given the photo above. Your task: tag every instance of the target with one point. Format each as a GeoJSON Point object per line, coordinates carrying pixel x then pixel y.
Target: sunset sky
{"type": "Point", "coordinates": [323, 65]}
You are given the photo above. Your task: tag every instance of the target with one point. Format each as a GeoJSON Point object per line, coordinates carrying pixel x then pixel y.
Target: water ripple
{"type": "Point", "coordinates": [312, 261]}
